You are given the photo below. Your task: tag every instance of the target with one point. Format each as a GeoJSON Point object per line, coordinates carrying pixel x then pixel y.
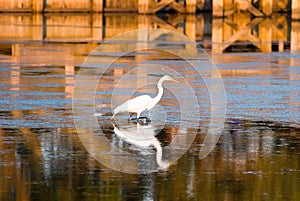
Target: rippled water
{"type": "Point", "coordinates": [42, 157]}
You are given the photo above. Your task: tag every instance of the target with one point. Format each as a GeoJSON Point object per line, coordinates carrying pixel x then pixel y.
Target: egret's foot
{"type": "Point", "coordinates": [144, 120]}
{"type": "Point", "coordinates": [140, 120]}
{"type": "Point", "coordinates": [132, 120]}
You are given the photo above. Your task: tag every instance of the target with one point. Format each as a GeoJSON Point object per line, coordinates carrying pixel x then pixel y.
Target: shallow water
{"type": "Point", "coordinates": [42, 157]}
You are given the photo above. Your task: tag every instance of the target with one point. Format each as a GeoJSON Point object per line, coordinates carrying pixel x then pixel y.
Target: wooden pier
{"type": "Point", "coordinates": [219, 8]}
{"type": "Point", "coordinates": [221, 35]}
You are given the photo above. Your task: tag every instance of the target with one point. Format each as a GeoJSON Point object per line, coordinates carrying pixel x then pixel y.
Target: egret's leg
{"type": "Point", "coordinates": [130, 115]}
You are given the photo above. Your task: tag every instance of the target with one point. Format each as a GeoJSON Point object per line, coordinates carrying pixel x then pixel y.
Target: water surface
{"type": "Point", "coordinates": [42, 157]}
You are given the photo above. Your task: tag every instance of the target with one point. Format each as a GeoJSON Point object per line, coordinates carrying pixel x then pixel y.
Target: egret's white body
{"type": "Point", "coordinates": [145, 102]}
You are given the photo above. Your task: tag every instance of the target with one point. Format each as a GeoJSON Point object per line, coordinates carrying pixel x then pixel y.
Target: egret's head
{"type": "Point", "coordinates": [168, 78]}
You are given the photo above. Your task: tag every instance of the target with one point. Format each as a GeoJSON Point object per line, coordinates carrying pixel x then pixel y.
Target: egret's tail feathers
{"type": "Point", "coordinates": [98, 114]}
{"type": "Point", "coordinates": [117, 110]}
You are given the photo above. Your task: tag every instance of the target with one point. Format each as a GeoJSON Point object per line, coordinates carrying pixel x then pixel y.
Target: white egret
{"type": "Point", "coordinates": [144, 102]}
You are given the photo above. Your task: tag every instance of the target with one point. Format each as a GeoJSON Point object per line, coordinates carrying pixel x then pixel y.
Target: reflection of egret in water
{"type": "Point", "coordinates": [144, 137]}
{"type": "Point", "coordinates": [145, 102]}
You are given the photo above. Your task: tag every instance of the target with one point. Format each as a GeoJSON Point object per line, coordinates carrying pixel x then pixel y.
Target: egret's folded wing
{"type": "Point", "coordinates": [139, 103]}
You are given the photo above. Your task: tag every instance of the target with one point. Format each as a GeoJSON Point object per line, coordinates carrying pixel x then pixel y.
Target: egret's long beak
{"type": "Point", "coordinates": [173, 80]}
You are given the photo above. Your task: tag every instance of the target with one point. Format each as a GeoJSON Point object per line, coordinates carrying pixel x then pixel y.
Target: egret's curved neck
{"type": "Point", "coordinates": [157, 98]}
{"type": "Point", "coordinates": [160, 90]}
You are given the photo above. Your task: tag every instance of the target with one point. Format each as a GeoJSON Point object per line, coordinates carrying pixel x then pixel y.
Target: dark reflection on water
{"type": "Point", "coordinates": [42, 158]}
{"type": "Point", "coordinates": [253, 161]}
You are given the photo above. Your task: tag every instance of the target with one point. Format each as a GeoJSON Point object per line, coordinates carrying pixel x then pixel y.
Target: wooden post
{"type": "Point", "coordinates": [266, 6]}
{"type": "Point", "coordinates": [295, 36]}
{"type": "Point", "coordinates": [97, 27]}
{"type": "Point", "coordinates": [143, 6]}
{"type": "Point", "coordinates": [280, 46]}
{"type": "Point", "coordinates": [280, 33]}
{"type": "Point", "coordinates": [294, 70]}
{"type": "Point", "coordinates": [38, 6]}
{"type": "Point", "coordinates": [144, 22]}
{"type": "Point", "coordinates": [191, 6]}
{"type": "Point", "coordinates": [37, 28]}
{"type": "Point", "coordinates": [16, 52]}
{"type": "Point", "coordinates": [98, 6]}
{"type": "Point", "coordinates": [265, 35]}
{"type": "Point", "coordinates": [200, 4]}
{"type": "Point", "coordinates": [200, 25]}
{"type": "Point", "coordinates": [218, 8]}
{"type": "Point", "coordinates": [143, 36]}
{"type": "Point", "coordinates": [229, 27]}
{"type": "Point", "coordinates": [190, 25]}
{"type": "Point", "coordinates": [228, 4]}
{"type": "Point", "coordinates": [217, 36]}
{"type": "Point", "coordinates": [295, 9]}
